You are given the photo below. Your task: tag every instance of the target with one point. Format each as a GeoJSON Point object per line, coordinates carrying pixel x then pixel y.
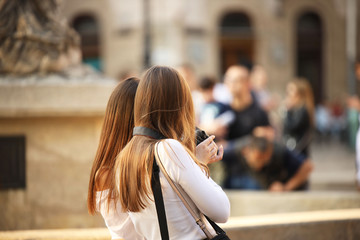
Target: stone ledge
{"type": "Point", "coordinates": [329, 225]}
{"type": "Point", "coordinates": [58, 234]}
{"type": "Point", "coordinates": [248, 203]}
{"type": "Point", "coordinates": [80, 92]}
{"type": "Point", "coordinates": [293, 218]}
{"type": "Point", "coordinates": [317, 225]}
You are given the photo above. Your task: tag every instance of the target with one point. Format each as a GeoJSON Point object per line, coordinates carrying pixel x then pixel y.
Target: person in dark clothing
{"type": "Point", "coordinates": [263, 165]}
{"type": "Point", "coordinates": [214, 116]}
{"type": "Point", "coordinates": [299, 119]}
{"type": "Point", "coordinates": [248, 113]}
{"type": "Point", "coordinates": [246, 120]}
{"type": "Point", "coordinates": [249, 118]}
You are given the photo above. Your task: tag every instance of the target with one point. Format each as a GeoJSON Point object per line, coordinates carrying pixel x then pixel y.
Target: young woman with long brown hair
{"type": "Point", "coordinates": [163, 103]}
{"type": "Point", "coordinates": [116, 133]}
{"type": "Point", "coordinates": [299, 119]}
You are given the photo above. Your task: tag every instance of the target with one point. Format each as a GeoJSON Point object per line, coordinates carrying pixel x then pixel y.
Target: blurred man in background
{"type": "Point", "coordinates": [260, 164]}
{"type": "Point", "coordinates": [249, 118]}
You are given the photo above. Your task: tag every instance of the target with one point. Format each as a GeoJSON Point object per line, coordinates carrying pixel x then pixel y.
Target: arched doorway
{"type": "Point", "coordinates": [309, 51]}
{"type": "Point", "coordinates": [236, 40]}
{"type": "Point", "coordinates": [87, 27]}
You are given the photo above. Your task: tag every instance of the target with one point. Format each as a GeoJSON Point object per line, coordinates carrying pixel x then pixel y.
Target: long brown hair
{"type": "Point", "coordinates": [305, 92]}
{"type": "Point", "coordinates": [116, 133]}
{"type": "Point", "coordinates": [163, 102]}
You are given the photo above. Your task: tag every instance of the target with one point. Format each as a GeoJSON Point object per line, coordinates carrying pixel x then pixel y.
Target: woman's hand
{"type": "Point", "coordinates": [207, 151]}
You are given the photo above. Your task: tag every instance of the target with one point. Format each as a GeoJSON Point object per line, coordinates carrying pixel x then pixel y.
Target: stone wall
{"type": "Point", "coordinates": [252, 203]}
{"type": "Point", "coordinates": [321, 225]}
{"type": "Point", "coordinates": [317, 225]}
{"type": "Point", "coordinates": [188, 31]}
{"type": "Point", "coordinates": [61, 118]}
{"type": "Point", "coordinates": [120, 29]}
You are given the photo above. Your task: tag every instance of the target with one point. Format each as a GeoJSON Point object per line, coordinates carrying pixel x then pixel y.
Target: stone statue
{"type": "Point", "coordinates": [33, 39]}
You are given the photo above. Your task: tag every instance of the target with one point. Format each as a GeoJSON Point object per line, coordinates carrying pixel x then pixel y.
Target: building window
{"type": "Point", "coordinates": [237, 44]}
{"type": "Point", "coordinates": [236, 24]}
{"type": "Point", "coordinates": [309, 51]}
{"type": "Point", "coordinates": [12, 162]}
{"type": "Point", "coordinates": [88, 29]}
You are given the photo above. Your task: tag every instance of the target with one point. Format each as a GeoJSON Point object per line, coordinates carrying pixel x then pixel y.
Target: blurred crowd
{"type": "Point", "coordinates": [266, 138]}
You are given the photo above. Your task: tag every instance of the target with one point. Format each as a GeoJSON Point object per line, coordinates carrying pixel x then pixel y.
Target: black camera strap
{"type": "Point", "coordinates": [155, 183]}
{"type": "Point", "coordinates": [144, 131]}
{"type": "Point", "coordinates": [156, 188]}
{"type": "Point", "coordinates": [159, 201]}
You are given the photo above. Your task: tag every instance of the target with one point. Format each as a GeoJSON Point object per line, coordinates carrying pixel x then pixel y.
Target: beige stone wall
{"type": "Point", "coordinates": [174, 42]}
{"type": "Point", "coordinates": [334, 49]}
{"type": "Point", "coordinates": [61, 119]}
{"type": "Point", "coordinates": [329, 225]}
{"type": "Point", "coordinates": [278, 33]}
{"type": "Point", "coordinates": [59, 153]}
{"type": "Point", "coordinates": [121, 32]}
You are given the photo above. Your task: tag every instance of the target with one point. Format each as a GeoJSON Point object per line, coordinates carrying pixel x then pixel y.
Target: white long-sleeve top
{"type": "Point", "coordinates": [205, 193]}
{"type": "Point", "coordinates": [117, 221]}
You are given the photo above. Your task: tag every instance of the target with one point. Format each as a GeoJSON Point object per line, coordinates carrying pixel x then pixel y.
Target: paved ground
{"type": "Point", "coordinates": [334, 165]}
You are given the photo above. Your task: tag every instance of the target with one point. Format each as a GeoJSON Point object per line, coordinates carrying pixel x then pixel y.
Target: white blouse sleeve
{"type": "Point", "coordinates": [205, 193]}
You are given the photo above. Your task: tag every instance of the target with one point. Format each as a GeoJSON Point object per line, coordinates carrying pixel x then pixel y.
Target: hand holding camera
{"type": "Point", "coordinates": [206, 150]}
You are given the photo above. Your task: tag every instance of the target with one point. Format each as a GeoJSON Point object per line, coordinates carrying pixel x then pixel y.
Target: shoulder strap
{"type": "Point", "coordinates": [159, 202]}
{"type": "Point", "coordinates": [197, 218]}
{"type": "Point", "coordinates": [144, 131]}
{"type": "Point", "coordinates": [155, 182]}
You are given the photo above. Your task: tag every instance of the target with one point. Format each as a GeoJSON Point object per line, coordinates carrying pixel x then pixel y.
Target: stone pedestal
{"type": "Point", "coordinates": [60, 116]}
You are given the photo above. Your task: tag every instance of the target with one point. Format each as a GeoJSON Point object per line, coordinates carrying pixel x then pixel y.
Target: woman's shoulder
{"type": "Point", "coordinates": [174, 149]}
{"type": "Point", "coordinates": [171, 144]}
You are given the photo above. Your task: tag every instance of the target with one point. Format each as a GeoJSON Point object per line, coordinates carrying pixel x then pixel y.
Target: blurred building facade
{"type": "Point", "coordinates": [288, 37]}
{"type": "Point", "coordinates": [52, 123]}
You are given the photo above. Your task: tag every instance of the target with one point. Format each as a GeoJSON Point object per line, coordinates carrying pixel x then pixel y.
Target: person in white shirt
{"type": "Point", "coordinates": [116, 133]}
{"type": "Point", "coordinates": [163, 103]}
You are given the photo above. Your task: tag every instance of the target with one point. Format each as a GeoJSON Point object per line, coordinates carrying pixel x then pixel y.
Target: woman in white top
{"type": "Point", "coordinates": [163, 103]}
{"type": "Point", "coordinates": [116, 133]}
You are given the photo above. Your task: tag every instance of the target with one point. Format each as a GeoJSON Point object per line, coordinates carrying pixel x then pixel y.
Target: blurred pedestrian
{"type": "Point", "coordinates": [214, 116]}
{"type": "Point", "coordinates": [323, 119]}
{"type": "Point", "coordinates": [248, 114]}
{"type": "Point", "coordinates": [354, 103]}
{"type": "Point", "coordinates": [266, 100]}
{"type": "Point", "coordinates": [258, 81]}
{"type": "Point", "coordinates": [249, 117]}
{"type": "Point", "coordinates": [260, 164]}
{"type": "Point", "coordinates": [299, 118]}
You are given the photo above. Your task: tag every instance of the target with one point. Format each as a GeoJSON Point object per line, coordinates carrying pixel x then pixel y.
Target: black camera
{"type": "Point", "coordinates": [200, 135]}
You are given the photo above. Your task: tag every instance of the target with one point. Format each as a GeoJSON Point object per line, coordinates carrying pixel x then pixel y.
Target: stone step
{"type": "Point", "coordinates": [247, 203]}
{"type": "Point", "coordinates": [317, 225]}
{"type": "Point", "coordinates": [58, 234]}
